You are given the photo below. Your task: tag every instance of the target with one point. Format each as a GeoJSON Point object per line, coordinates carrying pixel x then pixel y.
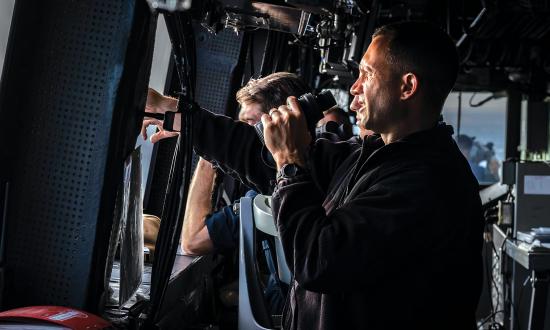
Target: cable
{"type": "Point", "coordinates": [517, 310]}
{"type": "Point", "coordinates": [489, 277]}
{"type": "Point", "coordinates": [491, 283]}
{"type": "Point", "coordinates": [480, 103]}
{"type": "Point", "coordinates": [251, 55]}
{"type": "Point", "coordinates": [488, 318]}
{"type": "Point", "coordinates": [459, 113]}
{"type": "Point", "coordinates": [514, 308]}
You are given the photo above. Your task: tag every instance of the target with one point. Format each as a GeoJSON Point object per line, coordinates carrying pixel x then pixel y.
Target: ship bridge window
{"type": "Point", "coordinates": [479, 122]}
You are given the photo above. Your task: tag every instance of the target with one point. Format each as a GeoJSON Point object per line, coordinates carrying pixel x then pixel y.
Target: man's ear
{"type": "Point", "coordinates": [409, 86]}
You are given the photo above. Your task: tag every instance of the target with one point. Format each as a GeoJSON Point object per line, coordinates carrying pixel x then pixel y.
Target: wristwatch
{"type": "Point", "coordinates": [289, 171]}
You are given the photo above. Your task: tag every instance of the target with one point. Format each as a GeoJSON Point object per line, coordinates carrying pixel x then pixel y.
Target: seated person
{"type": "Point", "coordinates": [206, 232]}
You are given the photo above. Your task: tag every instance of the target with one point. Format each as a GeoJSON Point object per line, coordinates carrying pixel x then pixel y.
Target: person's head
{"type": "Point", "coordinates": [259, 96]}
{"type": "Point", "coordinates": [341, 118]}
{"type": "Point", "coordinates": [465, 144]}
{"type": "Point", "coordinates": [335, 114]}
{"type": "Point", "coordinates": [405, 77]}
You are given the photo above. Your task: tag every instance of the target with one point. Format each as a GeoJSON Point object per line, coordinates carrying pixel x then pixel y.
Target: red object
{"type": "Point", "coordinates": [65, 316]}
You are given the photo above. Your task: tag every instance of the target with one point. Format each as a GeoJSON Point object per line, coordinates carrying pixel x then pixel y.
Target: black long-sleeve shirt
{"type": "Point", "coordinates": [378, 236]}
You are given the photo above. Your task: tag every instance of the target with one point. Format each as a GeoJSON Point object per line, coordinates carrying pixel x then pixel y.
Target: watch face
{"type": "Point", "coordinates": [289, 170]}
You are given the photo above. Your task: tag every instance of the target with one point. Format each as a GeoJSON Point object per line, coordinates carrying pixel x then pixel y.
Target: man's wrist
{"type": "Point", "coordinates": [158, 103]}
{"type": "Point", "coordinates": [289, 158]}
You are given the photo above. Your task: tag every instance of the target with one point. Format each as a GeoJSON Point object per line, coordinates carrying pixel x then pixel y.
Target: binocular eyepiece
{"type": "Point", "coordinates": [312, 107]}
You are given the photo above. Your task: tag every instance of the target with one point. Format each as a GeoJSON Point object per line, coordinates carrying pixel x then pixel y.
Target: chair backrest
{"type": "Point", "coordinates": [255, 213]}
{"type": "Point", "coordinates": [263, 220]}
{"type": "Point", "coordinates": [253, 312]}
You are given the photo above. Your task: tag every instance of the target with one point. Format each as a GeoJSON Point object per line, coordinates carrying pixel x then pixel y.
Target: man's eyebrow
{"type": "Point", "coordinates": [365, 67]}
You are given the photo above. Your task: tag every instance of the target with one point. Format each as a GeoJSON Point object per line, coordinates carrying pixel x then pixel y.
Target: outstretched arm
{"type": "Point", "coordinates": [195, 239]}
{"type": "Point", "coordinates": [232, 145]}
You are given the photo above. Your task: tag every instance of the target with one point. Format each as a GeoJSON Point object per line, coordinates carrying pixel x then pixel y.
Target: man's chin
{"type": "Point", "coordinates": [367, 128]}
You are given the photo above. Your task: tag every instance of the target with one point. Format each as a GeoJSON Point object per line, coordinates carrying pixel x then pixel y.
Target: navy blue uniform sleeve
{"type": "Point", "coordinates": [223, 228]}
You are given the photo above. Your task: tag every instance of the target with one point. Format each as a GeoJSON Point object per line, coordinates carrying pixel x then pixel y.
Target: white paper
{"type": "Point", "coordinates": [536, 185]}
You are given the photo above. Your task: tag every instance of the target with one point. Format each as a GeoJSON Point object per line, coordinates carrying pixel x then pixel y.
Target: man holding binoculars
{"type": "Point", "coordinates": [377, 235]}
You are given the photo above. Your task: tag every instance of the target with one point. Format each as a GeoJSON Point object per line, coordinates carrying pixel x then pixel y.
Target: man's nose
{"type": "Point", "coordinates": [356, 87]}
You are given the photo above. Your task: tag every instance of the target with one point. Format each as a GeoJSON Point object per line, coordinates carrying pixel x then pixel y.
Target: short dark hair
{"type": "Point", "coordinates": [272, 91]}
{"type": "Point", "coordinates": [426, 51]}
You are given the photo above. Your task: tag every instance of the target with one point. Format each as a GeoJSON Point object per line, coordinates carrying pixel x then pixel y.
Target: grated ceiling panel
{"type": "Point", "coordinates": [217, 57]}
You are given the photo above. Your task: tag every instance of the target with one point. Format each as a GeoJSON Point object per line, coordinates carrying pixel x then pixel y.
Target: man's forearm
{"type": "Point", "coordinates": [198, 203]}
{"type": "Point", "coordinates": [158, 103]}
